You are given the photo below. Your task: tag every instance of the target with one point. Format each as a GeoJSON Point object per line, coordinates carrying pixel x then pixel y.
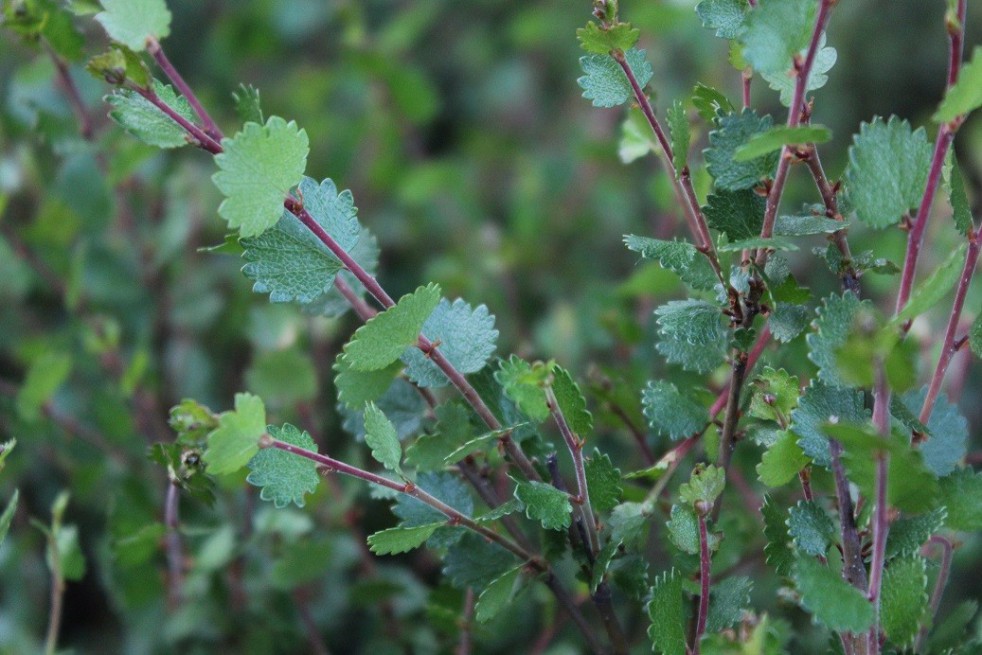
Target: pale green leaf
{"type": "Point", "coordinates": [670, 413]}
{"type": "Point", "coordinates": [678, 128]}
{"type": "Point", "coordinates": [966, 95]}
{"type": "Point", "coordinates": [45, 375]}
{"type": "Point", "coordinates": [723, 16]}
{"type": "Point", "coordinates": [812, 530]}
{"type": "Point", "coordinates": [975, 335]}
{"type": "Point", "coordinates": [259, 166]}
{"type": "Point", "coordinates": [696, 322]}
{"type": "Point", "coordinates": [606, 84]}
{"type": "Point", "coordinates": [775, 31]}
{"type": "Point", "coordinates": [734, 130]}
{"type": "Point", "coordinates": [603, 481]}
{"type": "Point", "coordinates": [799, 226]}
{"type": "Point", "coordinates": [683, 530]}
{"type": "Point", "coordinates": [822, 404]}
{"type": "Point", "coordinates": [727, 600]}
{"type": "Point", "coordinates": [523, 383]}
{"type": "Point", "coordinates": [887, 171]}
{"type": "Point", "coordinates": [680, 257]}
{"type": "Point", "coordinates": [961, 494]}
{"type": "Point", "coordinates": [247, 105]}
{"type": "Point", "coordinates": [832, 328]}
{"type": "Point", "coordinates": [466, 337]}
{"type": "Point", "coordinates": [833, 601]}
{"type": "Point", "coordinates": [545, 503]}
{"type": "Point", "coordinates": [236, 440]}
{"type": "Point", "coordinates": [697, 358]}
{"type": "Point", "coordinates": [782, 461]}
{"type": "Point", "coordinates": [777, 137]}
{"type": "Point", "coordinates": [132, 22]}
{"type": "Point", "coordinates": [937, 285]}
{"type": "Point", "coordinates": [401, 539]}
{"type": "Point", "coordinates": [381, 437]}
{"type": "Point", "coordinates": [385, 337]}
{"type": "Point", "coordinates": [291, 264]}
{"type": "Point", "coordinates": [636, 140]}
{"type": "Point", "coordinates": [703, 487]}
{"type": "Point", "coordinates": [497, 595]}
{"type": "Point", "coordinates": [145, 121]}
{"type": "Point", "coordinates": [775, 395]}
{"type": "Point", "coordinates": [903, 598]}
{"type": "Point", "coordinates": [600, 41]}
{"type": "Point", "coordinates": [771, 243]}
{"type": "Point", "coordinates": [71, 560]}
{"type": "Point", "coordinates": [284, 477]}
{"type": "Point", "coordinates": [668, 613]}
{"type": "Point", "coordinates": [825, 59]}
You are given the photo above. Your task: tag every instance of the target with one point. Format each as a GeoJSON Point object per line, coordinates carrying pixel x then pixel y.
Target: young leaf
{"type": "Point", "coordinates": [825, 59]}
{"type": "Point", "coordinates": [948, 430]}
{"type": "Point", "coordinates": [599, 41]}
{"type": "Point", "coordinates": [710, 102]}
{"type": "Point", "coordinates": [571, 402]}
{"type": "Point", "coordinates": [908, 534]}
{"type": "Point", "coordinates": [8, 515]}
{"type": "Point", "coordinates": [287, 261]}
{"type": "Point", "coordinates": [887, 170]}
{"type": "Point", "coordinates": [381, 437]}
{"type": "Point", "coordinates": [522, 382]}
{"type": "Point", "coordinates": [779, 136]}
{"type": "Point", "coordinates": [668, 613]}
{"type": "Point", "coordinates": [120, 65]}
{"type": "Point", "coordinates": [466, 337]}
{"type": "Point", "coordinates": [775, 395]}
{"type": "Point", "coordinates": [259, 165]}
{"type": "Point", "coordinates": [284, 477]}
{"type": "Point", "coordinates": [683, 530]}
{"type": "Point", "coordinates": [734, 131]}
{"type": "Point", "coordinates": [677, 256]}
{"type": "Point", "coordinates": [678, 127]}
{"type": "Point", "coordinates": [603, 481]}
{"type": "Point", "coordinates": [496, 595]}
{"type": "Point", "coordinates": [775, 31]}
{"type": "Point", "coordinates": [669, 412]}
{"type": "Point", "coordinates": [704, 486]}
{"type": "Point", "coordinates": [782, 461]}
{"type": "Point", "coordinates": [696, 322]}
{"type": "Point", "coordinates": [724, 16]}
{"type": "Point", "coordinates": [812, 530]}
{"type": "Point", "coordinates": [727, 601]}
{"type": "Point", "coordinates": [132, 22]}
{"type": "Point", "coordinates": [737, 214]}
{"type": "Point", "coordinates": [961, 494]}
{"type": "Point", "coordinates": [966, 95]}
{"type": "Point", "coordinates": [545, 503]}
{"type": "Point", "coordinates": [247, 106]}
{"type": "Point", "coordinates": [636, 140]}
{"type": "Point", "coordinates": [142, 119]}
{"type": "Point", "coordinates": [961, 210]}
{"type": "Point", "coordinates": [832, 600]}
{"type": "Point", "coordinates": [401, 539]}
{"type": "Point", "coordinates": [832, 328]}
{"type": "Point", "coordinates": [778, 551]}
{"type": "Point", "coordinates": [930, 292]}
{"type": "Point", "coordinates": [606, 84]}
{"type": "Point", "coordinates": [822, 404]}
{"type": "Point", "coordinates": [45, 375]}
{"type": "Point", "coordinates": [236, 439]}
{"type": "Point", "coordinates": [384, 338]}
{"type": "Point", "coordinates": [903, 598]}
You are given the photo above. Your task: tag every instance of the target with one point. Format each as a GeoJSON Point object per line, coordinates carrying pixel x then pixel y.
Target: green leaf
{"type": "Point", "coordinates": [401, 539]}
{"type": "Point", "coordinates": [599, 41]}
{"type": "Point", "coordinates": [670, 413]}
{"type": "Point", "coordinates": [908, 534]}
{"type": "Point", "coordinates": [772, 243]}
{"type": "Point", "coordinates": [887, 170]}
{"type": "Point", "coordinates": [961, 209]}
{"type": "Point", "coordinates": [788, 320]}
{"type": "Point", "coordinates": [71, 560]}
{"type": "Point", "coordinates": [951, 632]}
{"type": "Point", "coordinates": [6, 448]}
{"type": "Point", "coordinates": [442, 485]}
{"type": "Point", "coordinates": [466, 337]}
{"type": "Point", "coordinates": [636, 140]}
{"type": "Point", "coordinates": [545, 503]}
{"type": "Point", "coordinates": [701, 359]}
{"type": "Point", "coordinates": [523, 383]}
{"type": "Point", "coordinates": [948, 430]}
{"type": "Point", "coordinates": [284, 477]}
{"type": "Point", "coordinates": [259, 165]}
{"type": "Point", "coordinates": [476, 562]}
{"type": "Point", "coordinates": [778, 551]}
{"type": "Point", "coordinates": [453, 428]}
{"type": "Point", "coordinates": [825, 59]}
{"type": "Point", "coordinates": [961, 494]}
{"type": "Point", "coordinates": [832, 328]}
{"type": "Point", "coordinates": [46, 374]}
{"type": "Point", "coordinates": [629, 524]}
{"type": "Point", "coordinates": [903, 599]}
{"type": "Point", "coordinates": [782, 461]}
{"type": "Point", "coordinates": [779, 136]}
{"type": "Point", "coordinates": [668, 613]}
{"type": "Point", "coordinates": [381, 437]}
{"type": "Point", "coordinates": [355, 388]}
{"type": "Point", "coordinates": [603, 481]}
{"type": "Point", "coordinates": [132, 22]}
{"type": "Point", "coordinates": [799, 226]}
{"type": "Point", "coordinates": [236, 439]}
{"type": "Point", "coordinates": [683, 530]}
{"type": "Point", "coordinates": [571, 401]}
{"type": "Point", "coordinates": [710, 102]}
{"type": "Point", "coordinates": [680, 257]}
{"type": "Point", "coordinates": [966, 95]}
{"type": "Point", "coordinates": [385, 337]}
{"type": "Point", "coordinates": [247, 105]}
{"type": "Point", "coordinates": [696, 322]}
{"type": "Point", "coordinates": [8, 515]}
{"type": "Point", "coordinates": [734, 131]}
{"type": "Point", "coordinates": [775, 31]}
{"type": "Point", "coordinates": [678, 128]}
{"type": "Point", "coordinates": [975, 335]}
{"type": "Point", "coordinates": [812, 530]}
{"type": "Point", "coordinates": [822, 404]}
{"type": "Point", "coordinates": [833, 601]}
{"type": "Point", "coordinates": [727, 601]}
{"type": "Point", "coordinates": [288, 261]}
{"type": "Point", "coordinates": [704, 486]}
{"type": "Point", "coordinates": [145, 121]}
{"type": "Point", "coordinates": [937, 285]}
{"type": "Point", "coordinates": [724, 16]}
{"type": "Point", "coordinates": [775, 395]}
{"type": "Point", "coordinates": [606, 84]}
{"type": "Point", "coordinates": [120, 65]}
{"type": "Point", "coordinates": [497, 595]}
{"type": "Point", "coordinates": [737, 214]}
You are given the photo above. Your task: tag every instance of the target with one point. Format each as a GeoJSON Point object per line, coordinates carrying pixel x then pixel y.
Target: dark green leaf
{"type": "Point", "coordinates": [571, 402]}
{"type": "Point", "coordinates": [779, 136]}
{"type": "Point", "coordinates": [142, 119]}
{"type": "Point", "coordinates": [961, 210]}
{"type": "Point", "coordinates": [778, 551]}
{"type": "Point", "coordinates": [677, 256]}
{"type": "Point", "coordinates": [629, 523]}
{"type": "Point", "coordinates": [668, 614]}
{"type": "Point", "coordinates": [401, 539]}
{"type": "Point", "coordinates": [961, 493]}
{"type": "Point", "coordinates": [496, 595]}
{"type": "Point", "coordinates": [966, 95]}
{"type": "Point", "coordinates": [812, 530]}
{"type": "Point", "coordinates": [727, 601]}
{"type": "Point", "coordinates": [465, 336]}
{"type": "Point", "coordinates": [603, 481]}
{"type": "Point", "coordinates": [8, 515]}
{"type": "Point", "coordinates": [476, 562]}
{"type": "Point", "coordinates": [381, 437]}
{"type": "Point", "coordinates": [444, 486]}
{"type": "Point", "coordinates": [606, 84]}
{"type": "Point", "coordinates": [975, 335]}
{"type": "Point", "coordinates": [737, 214]}
{"type": "Point", "coordinates": [453, 429]}
{"type": "Point", "coordinates": [833, 601]}
{"type": "Point", "coordinates": [724, 16]}
{"type": "Point", "coordinates": [46, 374]}
{"type": "Point", "coordinates": [734, 131]}
{"type": "Point", "coordinates": [701, 359]}
{"type": "Point", "coordinates": [545, 503]}
{"type": "Point", "coordinates": [284, 477]}
{"type": "Point", "coordinates": [908, 534]}
{"type": "Point", "coordinates": [385, 337]}
{"type": "Point", "coordinates": [670, 413]}
{"type": "Point", "coordinates": [355, 388]}
{"type": "Point", "coordinates": [903, 598]}
{"type": "Point", "coordinates": [710, 102]}
{"type": "Point", "coordinates": [365, 252]}
{"type": "Point", "coordinates": [822, 404]}
{"type": "Point", "coordinates": [937, 285]}
{"type": "Point", "coordinates": [678, 127]}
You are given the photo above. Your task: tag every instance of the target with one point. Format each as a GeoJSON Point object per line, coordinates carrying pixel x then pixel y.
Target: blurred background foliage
{"type": "Point", "coordinates": [460, 129]}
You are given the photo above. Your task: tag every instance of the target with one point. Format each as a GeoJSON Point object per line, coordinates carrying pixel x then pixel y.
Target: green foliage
{"type": "Point", "coordinates": [832, 600]}
{"type": "Point", "coordinates": [775, 31]}
{"type": "Point", "coordinates": [832, 328]}
{"type": "Point", "coordinates": [466, 337]}
{"type": "Point", "coordinates": [734, 131]}
{"type": "Point", "coordinates": [696, 322]}
{"type": "Point", "coordinates": [401, 540]}
{"type": "Point", "coordinates": [496, 595]}
{"type": "Point", "coordinates": [935, 287]}
{"type": "Point", "coordinates": [545, 503]}
{"type": "Point", "coordinates": [777, 137]}
{"type": "Point", "coordinates": [523, 383]}
{"type": "Point", "coordinates": [811, 528]}
{"type": "Point", "coordinates": [961, 210]}
{"type": "Point", "coordinates": [903, 598]}
{"type": "Point", "coordinates": [825, 59]}
{"type": "Point", "coordinates": [724, 16]}
{"type": "Point", "coordinates": [668, 614]}
{"type": "Point", "coordinates": [966, 95]}
{"type": "Point", "coordinates": [726, 603]}
{"type": "Point", "coordinates": [888, 166]}
{"type": "Point", "coordinates": [476, 562]}
{"type": "Point", "coordinates": [46, 374]}
{"type": "Point", "coordinates": [777, 552]}
{"type": "Point", "coordinates": [678, 127]}
{"type": "Point", "coordinates": [800, 226]}
{"type": "Point", "coordinates": [258, 166]}
{"type": "Point", "coordinates": [710, 102]}
{"type": "Point", "coordinates": [909, 533]}
{"type": "Point", "coordinates": [284, 477]}
{"type": "Point", "coordinates": [948, 430]}
{"type": "Point", "coordinates": [820, 405]}
{"type": "Point", "coordinates": [384, 338]}
{"type": "Point", "coordinates": [683, 530]}
{"type": "Point", "coordinates": [782, 461]}
{"type": "Point", "coordinates": [145, 121]}
{"type": "Point", "coordinates": [381, 437]}
{"type": "Point", "coordinates": [703, 488]}
{"type": "Point", "coordinates": [236, 439]}
{"type": "Point", "coordinates": [603, 482]}
{"type": "Point", "coordinates": [7, 517]}
{"type": "Point", "coordinates": [775, 395]}
{"type": "Point", "coordinates": [600, 41]}
{"type": "Point", "coordinates": [247, 104]}
{"type": "Point", "coordinates": [959, 494]}
{"type": "Point", "coordinates": [677, 256]}
{"type": "Point", "coordinates": [604, 81]}
{"type": "Point", "coordinates": [975, 335]}
{"type": "Point", "coordinates": [452, 430]}
{"type": "Point", "coordinates": [737, 214]}
{"type": "Point", "coordinates": [132, 22]}
{"type": "Point", "coordinates": [669, 412]}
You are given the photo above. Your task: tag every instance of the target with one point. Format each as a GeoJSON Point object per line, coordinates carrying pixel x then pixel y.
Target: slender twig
{"type": "Point", "coordinates": [174, 550]}
{"type": "Point", "coordinates": [704, 582]}
{"type": "Point", "coordinates": [746, 77]}
{"type": "Point", "coordinates": [360, 307]}
{"type": "Point", "coordinates": [758, 348]}
{"type": "Point", "coordinates": [944, 569]}
{"type": "Point", "coordinates": [201, 138]}
{"type": "Point", "coordinates": [605, 607]}
{"type": "Point", "coordinates": [57, 598]}
{"type": "Point", "coordinates": [670, 461]}
{"type": "Point", "coordinates": [847, 274]}
{"type": "Point", "coordinates": [881, 522]}
{"type": "Point", "coordinates": [157, 52]}
{"type": "Point", "coordinates": [70, 89]}
{"type": "Point", "coordinates": [466, 617]}
{"type": "Point", "coordinates": [314, 640]}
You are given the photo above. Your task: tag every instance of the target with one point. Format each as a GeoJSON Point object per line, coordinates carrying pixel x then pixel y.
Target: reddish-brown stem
{"type": "Point", "coordinates": [200, 137]}
{"type": "Point", "coordinates": [466, 616]}
{"type": "Point", "coordinates": [70, 90]}
{"type": "Point", "coordinates": [746, 77]}
{"type": "Point", "coordinates": [704, 582]}
{"type": "Point", "coordinates": [853, 568]}
{"type": "Point", "coordinates": [359, 306]}
{"type": "Point", "coordinates": [157, 52]}
{"type": "Point", "coordinates": [762, 340]}
{"type": "Point", "coordinates": [880, 522]}
{"type": "Point", "coordinates": [314, 640]}
{"type": "Point", "coordinates": [848, 275]}
{"type": "Point", "coordinates": [175, 554]}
